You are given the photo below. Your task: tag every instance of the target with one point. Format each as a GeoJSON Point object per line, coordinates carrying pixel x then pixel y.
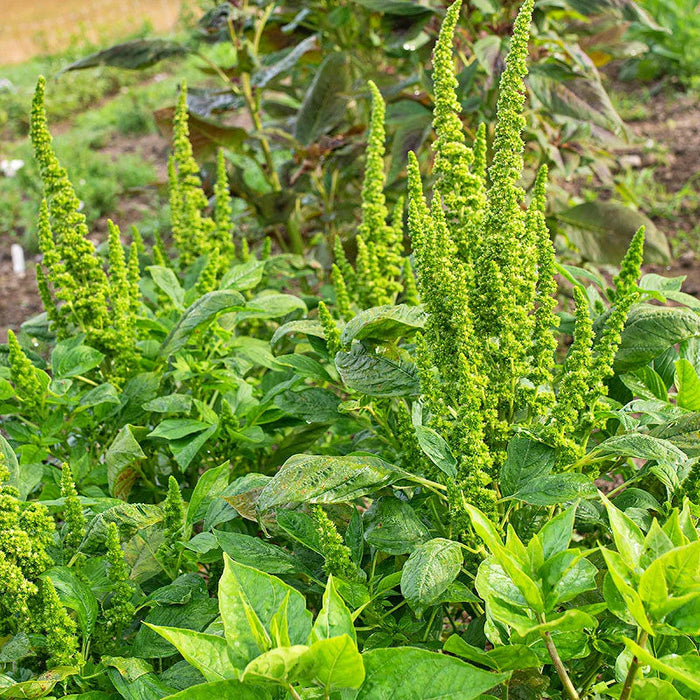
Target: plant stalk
{"type": "Point", "coordinates": [558, 665]}
{"type": "Point", "coordinates": [632, 671]}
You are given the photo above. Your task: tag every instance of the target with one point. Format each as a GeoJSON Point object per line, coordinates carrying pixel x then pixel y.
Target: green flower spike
{"type": "Point", "coordinates": [79, 280]}
{"type": "Point", "coordinates": [223, 235]}
{"type": "Point", "coordinates": [74, 530]}
{"type": "Point", "coordinates": [59, 628]}
{"type": "Point", "coordinates": [330, 330]}
{"type": "Point", "coordinates": [26, 378]}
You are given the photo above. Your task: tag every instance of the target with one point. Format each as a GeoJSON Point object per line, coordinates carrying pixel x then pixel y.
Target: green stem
{"type": "Point", "coordinates": [293, 692]}
{"type": "Point", "coordinates": [557, 662]}
{"type": "Point", "coordinates": [632, 672]}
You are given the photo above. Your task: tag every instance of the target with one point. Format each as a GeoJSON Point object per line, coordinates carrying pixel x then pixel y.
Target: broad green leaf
{"type": "Point", "coordinates": [376, 375]}
{"type": "Point", "coordinates": [556, 488]}
{"type": "Point", "coordinates": [304, 366]}
{"type": "Point", "coordinates": [208, 653]}
{"type": "Point", "coordinates": [334, 619]}
{"type": "Point", "coordinates": [425, 675]}
{"type": "Point", "coordinates": [683, 432]}
{"type": "Point", "coordinates": [243, 276]}
{"type": "Point", "coordinates": [639, 446]}
{"type": "Point", "coordinates": [688, 385]}
{"type": "Point", "coordinates": [566, 93]}
{"type": "Point", "coordinates": [671, 582]}
{"type": "Point", "coordinates": [556, 534]}
{"type": "Point", "coordinates": [485, 529]}
{"type": "Point", "coordinates": [654, 689]}
{"type": "Point", "coordinates": [252, 551]}
{"type": "Point", "coordinates": [332, 663]}
{"type": "Point", "coordinates": [322, 479]}
{"type": "Point", "coordinates": [203, 310]}
{"type": "Point", "coordinates": [311, 328]}
{"type": "Point", "coordinates": [651, 330]}
{"type": "Point", "coordinates": [384, 323]}
{"type": "Point", "coordinates": [76, 595]}
{"type": "Point", "coordinates": [122, 453]}
{"type": "Point", "coordinates": [629, 539]}
{"type": "Point", "coordinates": [185, 449]}
{"type": "Point", "coordinates": [324, 103]}
{"type": "Point", "coordinates": [526, 460]}
{"type": "Point", "coordinates": [620, 573]}
{"type": "Point", "coordinates": [134, 678]}
{"type": "Point", "coordinates": [222, 690]}
{"type": "Point", "coordinates": [300, 527]}
{"type": "Point", "coordinates": [270, 304]}
{"type": "Point", "coordinates": [263, 76]}
{"type": "Point", "coordinates": [565, 576]}
{"type": "Point", "coordinates": [313, 405]}
{"type": "Point", "coordinates": [102, 394]}
{"type": "Point", "coordinates": [684, 668]}
{"type": "Point", "coordinates": [437, 450]}
{"type": "Point", "coordinates": [506, 658]}
{"type": "Point", "coordinates": [392, 526]}
{"type": "Point", "coordinates": [209, 486]}
{"type": "Point", "coordinates": [402, 8]}
{"type": "Point", "coordinates": [68, 360]}
{"type": "Point", "coordinates": [194, 616]}
{"type": "Point", "coordinates": [166, 280]}
{"type": "Point", "coordinates": [429, 570]}
{"type": "Point", "coordinates": [244, 591]}
{"type": "Point", "coordinates": [278, 665]}
{"type": "Point", "coordinates": [176, 428]}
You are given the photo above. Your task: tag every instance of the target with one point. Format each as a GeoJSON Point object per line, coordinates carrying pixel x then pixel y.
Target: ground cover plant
{"type": "Point", "coordinates": [223, 475]}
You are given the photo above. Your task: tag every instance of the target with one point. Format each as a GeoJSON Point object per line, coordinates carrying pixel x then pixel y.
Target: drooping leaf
{"type": "Point", "coordinates": [222, 690]}
{"type": "Point", "coordinates": [323, 479]}
{"type": "Point", "coordinates": [376, 375]}
{"type": "Point", "coordinates": [556, 488]}
{"type": "Point", "coordinates": [684, 668]}
{"type": "Point", "coordinates": [135, 55]}
{"type": "Point", "coordinates": [70, 360]}
{"type": "Point", "coordinates": [209, 486]}
{"type": "Point", "coordinates": [650, 331]}
{"type": "Point", "coordinates": [324, 103]}
{"type": "Point", "coordinates": [602, 231]}
{"type": "Point", "coordinates": [437, 450]}
{"type": "Point", "coordinates": [384, 323]}
{"type": "Point", "coordinates": [254, 552]}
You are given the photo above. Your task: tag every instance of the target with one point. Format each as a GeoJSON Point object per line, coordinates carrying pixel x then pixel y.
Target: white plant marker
{"type": "Point", "coordinates": [18, 266]}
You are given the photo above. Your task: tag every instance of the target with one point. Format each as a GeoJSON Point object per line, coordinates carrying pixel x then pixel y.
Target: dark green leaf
{"type": "Point", "coordinates": [556, 488]}
{"type": "Point", "coordinates": [324, 103]}
{"type": "Point", "coordinates": [376, 375]}
{"type": "Point", "coordinates": [252, 551]}
{"type": "Point", "coordinates": [526, 459]}
{"type": "Point", "coordinates": [438, 451]}
{"type": "Point", "coordinates": [384, 323]}
{"type": "Point", "coordinates": [76, 595]}
{"type": "Point", "coordinates": [430, 569]}
{"type": "Point", "coordinates": [392, 526]}
{"type": "Point", "coordinates": [202, 311]}
{"type": "Point", "coordinates": [137, 54]}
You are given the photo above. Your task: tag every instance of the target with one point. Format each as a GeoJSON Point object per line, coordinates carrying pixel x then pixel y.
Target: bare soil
{"type": "Point", "coordinates": [19, 299]}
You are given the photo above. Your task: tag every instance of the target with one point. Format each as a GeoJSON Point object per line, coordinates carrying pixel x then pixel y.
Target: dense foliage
{"type": "Point", "coordinates": [226, 475]}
